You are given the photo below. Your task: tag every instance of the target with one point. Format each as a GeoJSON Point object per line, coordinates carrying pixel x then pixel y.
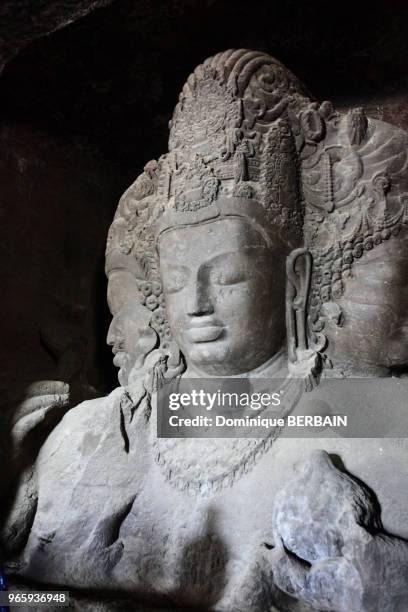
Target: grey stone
{"type": "Point", "coordinates": [336, 567]}
{"type": "Point", "coordinates": [260, 183]}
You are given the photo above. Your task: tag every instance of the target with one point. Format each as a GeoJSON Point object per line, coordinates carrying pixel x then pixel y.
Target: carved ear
{"type": "Point", "coordinates": [298, 277]}
{"type": "Point", "coordinates": [304, 360]}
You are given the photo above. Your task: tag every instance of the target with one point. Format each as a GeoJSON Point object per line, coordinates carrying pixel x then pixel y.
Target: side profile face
{"type": "Point", "coordinates": [224, 293]}
{"type": "Point", "coordinates": [374, 334]}
{"type": "Point", "coordinates": [129, 333]}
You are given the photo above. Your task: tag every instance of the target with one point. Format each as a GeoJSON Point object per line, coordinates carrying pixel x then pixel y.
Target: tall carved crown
{"type": "Point", "coordinates": [230, 137]}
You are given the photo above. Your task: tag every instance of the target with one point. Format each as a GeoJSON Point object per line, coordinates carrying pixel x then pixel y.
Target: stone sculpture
{"type": "Point", "coordinates": [129, 334]}
{"type": "Point", "coordinates": [259, 182]}
{"type": "Point", "coordinates": [355, 185]}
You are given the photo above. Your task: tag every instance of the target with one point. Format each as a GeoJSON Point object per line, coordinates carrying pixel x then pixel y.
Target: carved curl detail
{"type": "Point", "coordinates": [355, 187]}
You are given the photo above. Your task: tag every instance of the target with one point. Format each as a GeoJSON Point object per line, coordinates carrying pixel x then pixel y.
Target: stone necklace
{"type": "Point", "coordinates": [204, 466]}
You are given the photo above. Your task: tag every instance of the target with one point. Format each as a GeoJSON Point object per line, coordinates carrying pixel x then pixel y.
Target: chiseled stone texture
{"type": "Point", "coordinates": [224, 551]}
{"type": "Point", "coordinates": [206, 263]}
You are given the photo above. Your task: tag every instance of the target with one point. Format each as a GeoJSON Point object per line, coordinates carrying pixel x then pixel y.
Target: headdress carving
{"type": "Point", "coordinates": [131, 246]}
{"type": "Point", "coordinates": [231, 152]}
{"type": "Point", "coordinates": [230, 137]}
{"type": "Point", "coordinates": [355, 189]}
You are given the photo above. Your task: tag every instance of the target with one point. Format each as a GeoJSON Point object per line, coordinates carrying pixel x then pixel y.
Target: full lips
{"type": "Point", "coordinates": [207, 333]}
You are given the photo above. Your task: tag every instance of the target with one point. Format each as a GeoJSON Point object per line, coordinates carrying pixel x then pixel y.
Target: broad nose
{"type": "Point", "coordinates": [199, 302]}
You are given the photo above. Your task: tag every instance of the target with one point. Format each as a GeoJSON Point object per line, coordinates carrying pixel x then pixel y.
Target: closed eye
{"type": "Point", "coordinates": [174, 281]}
{"type": "Point", "coordinates": [229, 277]}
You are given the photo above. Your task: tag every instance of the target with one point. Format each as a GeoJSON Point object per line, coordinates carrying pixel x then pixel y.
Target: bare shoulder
{"type": "Point", "coordinates": [89, 419]}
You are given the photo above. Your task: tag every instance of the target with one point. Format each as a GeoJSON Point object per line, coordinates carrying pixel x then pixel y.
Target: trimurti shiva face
{"type": "Point", "coordinates": [129, 333]}
{"type": "Point", "coordinates": [373, 336]}
{"type": "Point", "coordinates": [224, 291]}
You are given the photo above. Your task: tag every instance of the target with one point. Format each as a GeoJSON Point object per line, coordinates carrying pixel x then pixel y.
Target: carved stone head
{"type": "Point", "coordinates": [355, 185]}
{"type": "Point", "coordinates": [231, 211]}
{"type": "Point", "coordinates": [130, 334]}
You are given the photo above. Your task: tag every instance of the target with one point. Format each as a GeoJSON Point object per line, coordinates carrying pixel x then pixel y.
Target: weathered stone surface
{"type": "Point", "coordinates": [332, 549]}
{"type": "Point", "coordinates": [355, 185]}
{"type": "Point", "coordinates": [196, 259]}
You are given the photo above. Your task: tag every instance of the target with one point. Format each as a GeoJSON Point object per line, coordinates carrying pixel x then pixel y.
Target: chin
{"type": "Point", "coordinates": [397, 353]}
{"type": "Point", "coordinates": [206, 354]}
{"type": "Point", "coordinates": [122, 377]}
{"type": "Point", "coordinates": [217, 358]}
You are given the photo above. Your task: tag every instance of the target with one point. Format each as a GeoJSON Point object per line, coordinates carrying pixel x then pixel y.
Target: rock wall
{"type": "Point", "coordinates": [55, 204]}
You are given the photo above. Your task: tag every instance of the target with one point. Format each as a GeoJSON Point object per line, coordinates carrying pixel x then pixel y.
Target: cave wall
{"type": "Point", "coordinates": [23, 21]}
{"type": "Point", "coordinates": [86, 99]}
{"type": "Point", "coordinates": [56, 203]}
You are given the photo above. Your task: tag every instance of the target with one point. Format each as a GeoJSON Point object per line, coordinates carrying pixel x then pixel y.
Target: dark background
{"type": "Point", "coordinates": [86, 95]}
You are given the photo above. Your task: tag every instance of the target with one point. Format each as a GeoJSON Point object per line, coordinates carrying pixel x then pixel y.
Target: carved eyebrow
{"type": "Point", "coordinates": [233, 253]}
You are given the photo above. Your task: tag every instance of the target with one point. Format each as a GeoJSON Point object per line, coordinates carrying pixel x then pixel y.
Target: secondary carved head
{"type": "Point", "coordinates": [131, 300]}
{"type": "Point", "coordinates": [129, 334]}
{"type": "Point", "coordinates": [355, 182]}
